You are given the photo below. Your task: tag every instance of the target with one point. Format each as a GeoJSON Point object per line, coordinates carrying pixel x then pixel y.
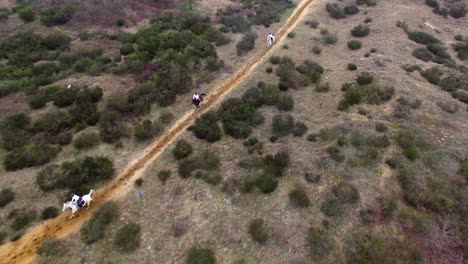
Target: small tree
{"type": "Point", "coordinates": [246, 44]}
{"type": "Point", "coordinates": [360, 31]}
{"type": "Point", "coordinates": [182, 149]}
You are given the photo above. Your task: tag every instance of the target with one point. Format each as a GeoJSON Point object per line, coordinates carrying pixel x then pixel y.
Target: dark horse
{"type": "Point", "coordinates": [198, 102]}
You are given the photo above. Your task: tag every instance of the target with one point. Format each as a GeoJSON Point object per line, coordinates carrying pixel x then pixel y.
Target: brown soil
{"type": "Point", "coordinates": [24, 249]}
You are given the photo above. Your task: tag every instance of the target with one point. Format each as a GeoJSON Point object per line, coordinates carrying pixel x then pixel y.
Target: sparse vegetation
{"type": "Point", "coordinates": [246, 44]}
{"type": "Point", "coordinates": [258, 231]}
{"type": "Point", "coordinates": [182, 149]}
{"type": "Point", "coordinates": [164, 175]}
{"type": "Point", "coordinates": [298, 197]}
{"type": "Point", "coordinates": [354, 44]}
{"type": "Point", "coordinates": [360, 31]}
{"type": "Point", "coordinates": [94, 229]}
{"type": "Point", "coordinates": [86, 140]}
{"type": "Point", "coordinates": [6, 196]}
{"type": "Point", "coordinates": [320, 242]}
{"type": "Point", "coordinates": [199, 255]}
{"type": "Point", "coordinates": [125, 242]}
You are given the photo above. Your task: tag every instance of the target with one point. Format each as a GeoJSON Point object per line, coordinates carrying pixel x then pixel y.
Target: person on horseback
{"type": "Point", "coordinates": [271, 39]}
{"type": "Point", "coordinates": [77, 200]}
{"type": "Point", "coordinates": [197, 99]}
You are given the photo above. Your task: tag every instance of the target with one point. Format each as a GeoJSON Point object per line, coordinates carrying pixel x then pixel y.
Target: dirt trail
{"type": "Point", "coordinates": [24, 249]}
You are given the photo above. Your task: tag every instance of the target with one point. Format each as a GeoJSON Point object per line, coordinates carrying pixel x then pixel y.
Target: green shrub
{"type": "Point", "coordinates": [86, 140]}
{"type": "Point", "coordinates": [187, 167]}
{"type": "Point", "coordinates": [51, 247]}
{"type": "Point", "coordinates": [351, 10]}
{"type": "Point", "coordinates": [422, 37]}
{"type": "Point", "coordinates": [182, 149]}
{"type": "Point", "coordinates": [458, 10]}
{"type": "Point", "coordinates": [335, 11]}
{"type": "Point", "coordinates": [246, 44]}
{"type": "Point", "coordinates": [126, 49]}
{"type": "Point", "coordinates": [50, 212]}
{"type": "Point", "coordinates": [120, 22]}
{"type": "Point", "coordinates": [335, 153]}
{"type": "Point", "coordinates": [235, 23]}
{"type": "Point", "coordinates": [346, 193]}
{"type": "Point", "coordinates": [423, 54]}
{"type": "Point", "coordinates": [329, 39]}
{"type": "Point", "coordinates": [77, 175]}
{"type": "Point", "coordinates": [199, 255]}
{"type": "Point", "coordinates": [450, 83]}
{"type": "Point", "coordinates": [462, 50]}
{"type": "Point", "coordinates": [126, 243]}
{"type": "Point", "coordinates": [360, 31]}
{"type": "Point", "coordinates": [332, 208]}
{"type": "Point", "coordinates": [269, 70]}
{"type": "Point", "coordinates": [282, 125]}
{"type": "Point", "coordinates": [381, 127]}
{"type": "Point", "coordinates": [4, 13]}
{"type": "Point", "coordinates": [299, 129]}
{"type": "Point", "coordinates": [365, 78]}
{"type": "Point", "coordinates": [320, 243]}
{"type": "Point", "coordinates": [411, 152]}
{"type": "Point", "coordinates": [388, 207]}
{"type": "Point", "coordinates": [206, 127]}
{"type": "Point", "coordinates": [37, 101]}
{"type": "Point", "coordinates": [147, 130]}
{"type": "Point", "coordinates": [417, 221]}
{"type": "Point", "coordinates": [298, 197]}
{"type": "Point", "coordinates": [3, 235]}
{"type": "Point", "coordinates": [432, 75]}
{"type": "Point", "coordinates": [94, 229]}
{"type": "Point", "coordinates": [312, 23]}
{"type": "Point", "coordinates": [56, 15]}
{"type": "Point", "coordinates": [64, 97]}
{"type": "Point", "coordinates": [258, 231]}
{"type": "Point", "coordinates": [275, 60]}
{"type": "Point", "coordinates": [291, 34]}
{"type": "Point", "coordinates": [26, 14]}
{"type": "Point", "coordinates": [164, 175]}
{"type": "Point", "coordinates": [352, 67]}
{"type": "Point", "coordinates": [111, 126]}
{"type": "Point", "coordinates": [23, 219]}
{"type": "Point", "coordinates": [49, 178]}
{"type": "Point", "coordinates": [354, 44]}
{"type": "Point", "coordinates": [432, 3]}
{"type": "Point", "coordinates": [6, 196]}
{"type": "Point", "coordinates": [322, 87]}
{"type": "Point", "coordinates": [29, 156]}
{"type": "Point", "coordinates": [56, 41]}
{"type": "Point", "coordinates": [285, 103]}
{"type": "Point", "coordinates": [316, 49]}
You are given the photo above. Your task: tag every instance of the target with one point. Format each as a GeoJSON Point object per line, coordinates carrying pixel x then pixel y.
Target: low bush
{"type": "Point", "coordinates": [282, 125]}
{"type": "Point", "coordinates": [285, 103]}
{"type": "Point", "coordinates": [432, 3]}
{"type": "Point", "coordinates": [56, 41]}
{"type": "Point", "coordinates": [6, 196]}
{"type": "Point", "coordinates": [354, 44]}
{"type": "Point", "coordinates": [258, 231]}
{"type": "Point", "coordinates": [29, 156]}
{"type": "Point", "coordinates": [4, 13]}
{"type": "Point", "coordinates": [291, 34]}
{"type": "Point", "coordinates": [94, 229]}
{"type": "Point", "coordinates": [56, 15]}
{"type": "Point", "coordinates": [432, 75]}
{"type": "Point", "coordinates": [126, 49]}
{"type": "Point", "coordinates": [388, 206]}
{"type": "Point", "coordinates": [335, 153]}
{"type": "Point", "coordinates": [64, 97]}
{"type": "Point", "coordinates": [50, 212]}
{"type": "Point", "coordinates": [86, 140]}
{"type": "Point", "coordinates": [23, 219]}
{"type": "Point", "coordinates": [417, 221]}
{"type": "Point", "coordinates": [312, 23]}
{"type": "Point", "coordinates": [462, 50]}
{"type": "Point", "coordinates": [37, 101]}
{"type": "Point", "coordinates": [299, 129]}
{"type": "Point", "coordinates": [381, 127]}
{"type": "Point", "coordinates": [320, 243]}
{"type": "Point", "coordinates": [120, 22]}
{"type": "Point", "coordinates": [351, 10]}
{"type": "Point", "coordinates": [26, 14]}
{"type": "Point", "coordinates": [352, 67]}
{"type": "Point", "coordinates": [346, 192]}
{"type": "Point", "coordinates": [458, 10]}
{"type": "Point", "coordinates": [411, 153]}
{"type": "Point", "coordinates": [450, 83]}
{"type": "Point", "coordinates": [52, 247]}
{"type": "Point", "coordinates": [206, 127]}
{"type": "Point", "coordinates": [422, 37]}
{"type": "Point", "coordinates": [126, 242]}
{"type": "Point", "coordinates": [187, 167]}
{"type": "Point", "coordinates": [423, 54]}
{"type": "Point", "coordinates": [246, 44]}
{"type": "Point", "coordinates": [275, 60]}
{"type": "Point", "coordinates": [147, 130]}
{"type": "Point", "coordinates": [448, 107]}
{"type": "Point", "coordinates": [269, 70]}
{"type": "Point", "coordinates": [164, 175]}
{"type": "Point", "coordinates": [329, 39]}
{"type": "Point", "coordinates": [299, 198]}
{"type": "Point", "coordinates": [316, 49]}
{"type": "Point", "coordinates": [111, 126]}
{"type": "Point", "coordinates": [335, 11]}
{"type": "Point", "coordinates": [360, 31]}
{"type": "Point", "coordinates": [365, 78]}
{"type": "Point", "coordinates": [49, 178]}
{"type": "Point", "coordinates": [322, 87]}
{"type": "Point", "coordinates": [199, 255]}
{"type": "Point", "coordinates": [77, 175]}
{"type": "Point", "coordinates": [182, 149]}
{"type": "Point", "coordinates": [332, 207]}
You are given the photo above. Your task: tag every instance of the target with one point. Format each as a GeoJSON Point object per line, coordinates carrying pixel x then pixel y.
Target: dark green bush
{"type": "Point", "coordinates": [458, 10]}
{"type": "Point", "coordinates": [23, 219]}
{"type": "Point", "coordinates": [299, 129]}
{"type": "Point", "coordinates": [298, 197]}
{"type": "Point", "coordinates": [56, 15]}
{"type": "Point", "coordinates": [246, 44]}
{"type": "Point", "coordinates": [352, 67]}
{"type": "Point", "coordinates": [335, 11]}
{"type": "Point", "coordinates": [346, 193]}
{"type": "Point", "coordinates": [64, 97]}
{"type": "Point", "coordinates": [320, 243]}
{"type": "Point", "coordinates": [50, 212]}
{"type": "Point", "coordinates": [432, 75]}
{"type": "Point", "coordinates": [316, 49]}
{"type": "Point", "coordinates": [187, 167]}
{"type": "Point", "coordinates": [56, 40]}
{"type": "Point", "coordinates": [422, 37]}
{"type": "Point", "coordinates": [120, 22]}
{"type": "Point", "coordinates": [126, 49]}
{"type": "Point", "coordinates": [354, 44]}
{"type": "Point", "coordinates": [111, 126]}
{"type": "Point", "coordinates": [351, 10]}
{"type": "Point", "coordinates": [94, 229]}
{"type": "Point", "coordinates": [199, 255]}
{"type": "Point", "coordinates": [285, 103]}
{"type": "Point", "coordinates": [329, 39]}
{"type": "Point", "coordinates": [77, 175]}
{"type": "Point", "coordinates": [365, 78]}
{"type": "Point", "coordinates": [206, 127]}
{"type": "Point", "coordinates": [29, 156]}
{"type": "Point", "coordinates": [282, 125]}
{"type": "Point", "coordinates": [275, 60]}
{"type": "Point", "coordinates": [147, 130]}
{"type": "Point", "coordinates": [322, 87]}
{"type": "Point", "coordinates": [388, 207]}
{"type": "Point", "coordinates": [381, 127]}
{"type": "Point", "coordinates": [235, 23]}
{"type": "Point", "coordinates": [332, 208]}
{"type": "Point", "coordinates": [335, 153]}
{"type": "Point", "coordinates": [37, 101]}
{"type": "Point", "coordinates": [164, 175]}
{"type": "Point", "coordinates": [312, 23]}
{"type": "Point", "coordinates": [125, 242]}
{"type": "Point", "coordinates": [182, 149]}
{"type": "Point", "coordinates": [450, 83]}
{"type": "Point", "coordinates": [6, 196]}
{"type": "Point", "coordinates": [3, 235]}
{"type": "Point", "coordinates": [269, 70]}
{"type": "Point", "coordinates": [86, 140]}
{"type": "Point", "coordinates": [26, 14]}
{"type": "Point", "coordinates": [49, 178]}
{"type": "Point", "coordinates": [4, 13]}
{"type": "Point", "coordinates": [53, 122]}
{"type": "Point", "coordinates": [258, 231]}
{"type": "Point", "coordinates": [462, 50]}
{"type": "Point", "coordinates": [360, 31]}
{"type": "Point", "coordinates": [291, 34]}
{"type": "Point", "coordinates": [423, 54]}
{"type": "Point", "coordinates": [411, 152]}
{"type": "Point", "coordinates": [432, 3]}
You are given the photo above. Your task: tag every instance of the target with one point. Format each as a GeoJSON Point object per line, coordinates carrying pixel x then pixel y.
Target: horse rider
{"type": "Point", "coordinates": [196, 99]}
{"type": "Point", "coordinates": [77, 200]}
{"type": "Point", "coordinates": [271, 39]}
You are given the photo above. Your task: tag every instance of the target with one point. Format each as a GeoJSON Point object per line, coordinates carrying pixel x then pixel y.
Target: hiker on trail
{"type": "Point", "coordinates": [270, 39]}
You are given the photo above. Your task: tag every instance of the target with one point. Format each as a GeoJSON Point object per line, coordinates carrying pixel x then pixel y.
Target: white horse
{"type": "Point", "coordinates": [73, 205]}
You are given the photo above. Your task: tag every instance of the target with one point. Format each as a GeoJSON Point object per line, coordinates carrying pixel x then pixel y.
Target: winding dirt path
{"type": "Point", "coordinates": [24, 249]}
